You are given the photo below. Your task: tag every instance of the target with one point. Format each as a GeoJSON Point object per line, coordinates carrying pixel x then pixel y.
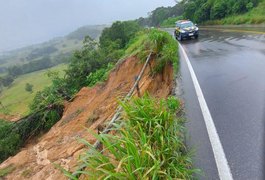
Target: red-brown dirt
{"type": "Point", "coordinates": [90, 108]}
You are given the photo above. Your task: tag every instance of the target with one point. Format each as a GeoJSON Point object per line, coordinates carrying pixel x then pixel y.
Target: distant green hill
{"type": "Point", "coordinates": [15, 99]}
{"type": "Point", "coordinates": [56, 50]}
{"type": "Point", "coordinates": [93, 32]}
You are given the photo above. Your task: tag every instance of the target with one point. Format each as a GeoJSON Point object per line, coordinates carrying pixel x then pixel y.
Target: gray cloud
{"type": "Point", "coordinates": [24, 22]}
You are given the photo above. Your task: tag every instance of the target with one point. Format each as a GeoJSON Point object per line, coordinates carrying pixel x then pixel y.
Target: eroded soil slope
{"type": "Point", "coordinates": [90, 108]}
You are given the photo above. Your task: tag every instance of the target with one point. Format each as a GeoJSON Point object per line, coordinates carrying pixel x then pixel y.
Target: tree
{"type": "Point", "coordinates": [15, 71]}
{"type": "Point", "coordinates": [219, 9]}
{"type": "Point", "coordinates": [189, 9]}
{"type": "Point", "coordinates": [119, 33]}
{"type": "Point", "coordinates": [29, 87]}
{"type": "Point", "coordinates": [6, 80]}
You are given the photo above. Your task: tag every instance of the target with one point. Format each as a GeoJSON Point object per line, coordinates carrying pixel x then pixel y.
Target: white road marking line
{"type": "Point", "coordinates": [218, 151]}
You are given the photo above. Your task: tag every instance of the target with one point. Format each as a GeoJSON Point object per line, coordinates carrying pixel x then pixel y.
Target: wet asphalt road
{"type": "Point", "coordinates": [230, 68]}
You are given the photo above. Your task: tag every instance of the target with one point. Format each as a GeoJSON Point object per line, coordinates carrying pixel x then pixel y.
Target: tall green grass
{"type": "Point", "coordinates": [149, 144]}
{"type": "Point", "coordinates": [160, 43]}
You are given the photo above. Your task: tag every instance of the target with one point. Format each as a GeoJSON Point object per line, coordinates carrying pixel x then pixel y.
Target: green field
{"type": "Point", "coordinates": [16, 99]}
{"type": "Point", "coordinates": [64, 48]}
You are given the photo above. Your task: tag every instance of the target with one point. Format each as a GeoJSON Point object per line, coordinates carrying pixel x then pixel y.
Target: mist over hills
{"type": "Point", "coordinates": [56, 50]}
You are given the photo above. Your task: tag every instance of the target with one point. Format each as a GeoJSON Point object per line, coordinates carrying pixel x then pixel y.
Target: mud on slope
{"type": "Point", "coordinates": [91, 107]}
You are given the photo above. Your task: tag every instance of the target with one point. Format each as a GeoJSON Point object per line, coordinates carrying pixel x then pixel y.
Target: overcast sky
{"type": "Point", "coordinates": [25, 22]}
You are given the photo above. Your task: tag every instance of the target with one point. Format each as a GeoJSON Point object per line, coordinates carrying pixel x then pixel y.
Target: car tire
{"type": "Point", "coordinates": [196, 36]}
{"type": "Point", "coordinates": [180, 37]}
{"type": "Point", "coordinates": [175, 34]}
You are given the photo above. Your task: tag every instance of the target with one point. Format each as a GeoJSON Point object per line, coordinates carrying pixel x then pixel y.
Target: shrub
{"type": "Point", "coordinates": [163, 46]}
{"type": "Point", "coordinates": [99, 75]}
{"type": "Point", "coordinates": [29, 87]}
{"type": "Point", "coordinates": [148, 145]}
{"type": "Point", "coordinates": [9, 140]}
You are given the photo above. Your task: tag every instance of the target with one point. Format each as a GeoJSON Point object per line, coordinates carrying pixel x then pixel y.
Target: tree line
{"type": "Point", "coordinates": [43, 63]}
{"type": "Point", "coordinates": [197, 10]}
{"type": "Point", "coordinates": [204, 10]}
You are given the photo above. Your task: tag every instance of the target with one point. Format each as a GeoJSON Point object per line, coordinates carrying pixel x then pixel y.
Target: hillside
{"type": "Point", "coordinates": [29, 65]}
{"type": "Point", "coordinates": [91, 107]}
{"type": "Point", "coordinates": [15, 99]}
{"type": "Point", "coordinates": [87, 97]}
{"type": "Point", "coordinates": [58, 50]}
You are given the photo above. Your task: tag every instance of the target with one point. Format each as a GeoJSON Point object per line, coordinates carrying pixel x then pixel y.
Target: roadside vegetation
{"type": "Point", "coordinates": [208, 12]}
{"type": "Point", "coordinates": [254, 16]}
{"type": "Point", "coordinates": [160, 43]}
{"type": "Point", "coordinates": [148, 144]}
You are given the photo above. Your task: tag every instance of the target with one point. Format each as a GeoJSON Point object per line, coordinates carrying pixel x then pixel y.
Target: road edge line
{"type": "Point", "coordinates": [218, 151]}
{"type": "Point", "coordinates": [232, 30]}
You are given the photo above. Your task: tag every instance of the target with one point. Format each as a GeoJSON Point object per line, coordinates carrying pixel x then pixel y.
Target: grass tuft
{"type": "Point", "coordinates": [161, 43]}
{"type": "Point", "coordinates": [5, 171]}
{"type": "Point", "coordinates": [148, 145]}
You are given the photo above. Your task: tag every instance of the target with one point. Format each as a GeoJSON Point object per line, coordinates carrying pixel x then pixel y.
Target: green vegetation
{"type": "Point", "coordinates": [15, 99]}
{"type": "Point", "coordinates": [57, 49]}
{"type": "Point", "coordinates": [160, 43]}
{"type": "Point", "coordinates": [254, 16]}
{"type": "Point", "coordinates": [151, 142]}
{"type": "Point", "coordinates": [9, 140]}
{"type": "Point", "coordinates": [29, 87]}
{"type": "Point", "coordinates": [160, 14]}
{"type": "Point", "coordinates": [92, 57]}
{"type": "Point", "coordinates": [88, 66]}
{"type": "Point", "coordinates": [6, 171]}
{"type": "Point", "coordinates": [99, 75]}
{"type": "Point", "coordinates": [208, 12]}
{"type": "Point", "coordinates": [148, 145]}
{"type": "Point", "coordinates": [171, 21]}
{"type": "Point", "coordinates": [13, 135]}
{"type": "Point", "coordinates": [43, 56]}
{"type": "Point", "coordinates": [201, 11]}
{"type": "Point", "coordinates": [91, 31]}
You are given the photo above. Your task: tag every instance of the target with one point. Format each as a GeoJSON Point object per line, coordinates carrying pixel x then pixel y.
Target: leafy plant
{"type": "Point", "coordinates": [148, 145]}
{"type": "Point", "coordinates": [214, 10]}
{"type": "Point", "coordinates": [160, 43]}
{"type": "Point", "coordinates": [99, 75]}
{"type": "Point", "coordinates": [29, 87]}
{"type": "Point", "coordinates": [9, 140]}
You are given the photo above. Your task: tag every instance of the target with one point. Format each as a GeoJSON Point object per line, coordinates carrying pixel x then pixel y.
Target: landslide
{"type": "Point", "coordinates": [91, 108]}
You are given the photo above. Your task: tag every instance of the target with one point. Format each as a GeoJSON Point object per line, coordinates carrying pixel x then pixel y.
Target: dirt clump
{"type": "Point", "coordinates": [91, 108]}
